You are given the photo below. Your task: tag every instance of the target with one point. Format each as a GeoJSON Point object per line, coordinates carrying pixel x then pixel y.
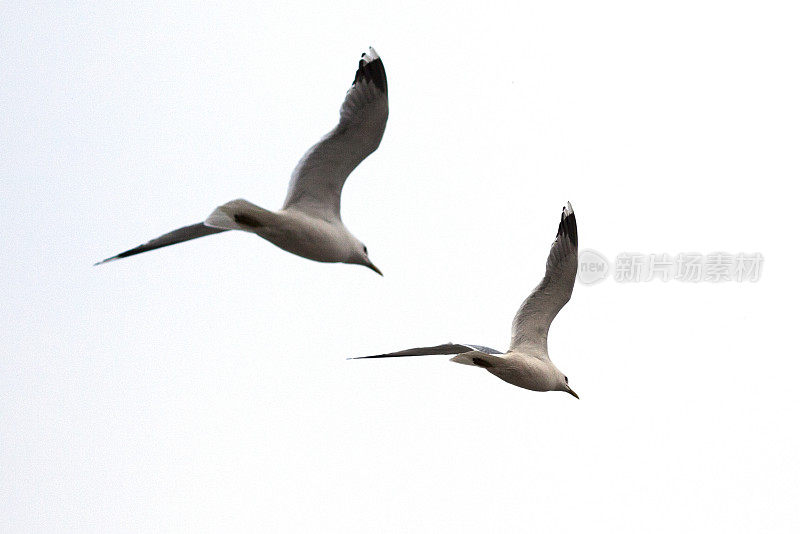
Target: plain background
{"type": "Point", "coordinates": [205, 386]}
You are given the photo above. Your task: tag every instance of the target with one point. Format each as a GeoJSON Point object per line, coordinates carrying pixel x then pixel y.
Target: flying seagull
{"type": "Point", "coordinates": [527, 363]}
{"type": "Point", "coordinates": [309, 223]}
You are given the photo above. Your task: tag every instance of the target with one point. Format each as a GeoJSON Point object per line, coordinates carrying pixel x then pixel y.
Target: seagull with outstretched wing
{"type": "Point", "coordinates": [309, 223]}
{"type": "Point", "coordinates": [527, 363]}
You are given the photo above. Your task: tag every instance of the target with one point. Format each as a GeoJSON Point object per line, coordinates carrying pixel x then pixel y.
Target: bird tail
{"type": "Point", "coordinates": [240, 214]}
{"type": "Point", "coordinates": [478, 359]}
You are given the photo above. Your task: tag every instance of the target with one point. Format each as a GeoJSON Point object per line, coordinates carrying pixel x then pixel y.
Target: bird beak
{"type": "Point", "coordinates": [372, 266]}
{"type": "Point", "coordinates": [569, 390]}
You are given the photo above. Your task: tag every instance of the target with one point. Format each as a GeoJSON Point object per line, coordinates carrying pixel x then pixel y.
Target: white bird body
{"type": "Point", "coordinates": [300, 234]}
{"type": "Point", "coordinates": [527, 363]}
{"type": "Point", "coordinates": [309, 224]}
{"type": "Point", "coordinates": [528, 371]}
{"type": "Point", "coordinates": [290, 229]}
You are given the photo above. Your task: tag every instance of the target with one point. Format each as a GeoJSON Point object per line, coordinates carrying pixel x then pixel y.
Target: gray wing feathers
{"type": "Point", "coordinates": [193, 231]}
{"type": "Point", "coordinates": [532, 321]}
{"type": "Point", "coordinates": [447, 348]}
{"type": "Point", "coordinates": [317, 181]}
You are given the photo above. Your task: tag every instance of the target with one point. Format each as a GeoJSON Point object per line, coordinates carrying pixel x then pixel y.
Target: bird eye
{"type": "Point", "coordinates": [566, 380]}
{"type": "Point", "coordinates": [365, 249]}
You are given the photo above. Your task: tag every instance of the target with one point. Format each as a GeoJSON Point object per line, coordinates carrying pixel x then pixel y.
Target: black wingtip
{"type": "Point", "coordinates": [370, 69]}
{"type": "Point", "coordinates": [108, 260]}
{"type": "Point", "coordinates": [568, 225]}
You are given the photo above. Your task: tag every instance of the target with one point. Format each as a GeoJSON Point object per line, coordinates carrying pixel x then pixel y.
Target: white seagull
{"type": "Point", "coordinates": [309, 223]}
{"type": "Point", "coordinates": [527, 363]}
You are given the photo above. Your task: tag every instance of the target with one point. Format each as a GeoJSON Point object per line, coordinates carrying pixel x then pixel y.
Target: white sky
{"type": "Point", "coordinates": [205, 386]}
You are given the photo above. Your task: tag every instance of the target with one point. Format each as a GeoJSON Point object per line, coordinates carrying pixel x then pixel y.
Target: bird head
{"type": "Point", "coordinates": [564, 386]}
{"type": "Point", "coordinates": [361, 257]}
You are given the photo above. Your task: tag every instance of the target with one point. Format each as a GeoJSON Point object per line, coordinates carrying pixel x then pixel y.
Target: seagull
{"type": "Point", "coordinates": [309, 223]}
{"type": "Point", "coordinates": [527, 363]}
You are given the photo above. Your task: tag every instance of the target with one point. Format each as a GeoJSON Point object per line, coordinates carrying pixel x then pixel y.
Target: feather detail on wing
{"type": "Point", "coordinates": [193, 231]}
{"type": "Point", "coordinates": [532, 322]}
{"type": "Point", "coordinates": [317, 181]}
{"type": "Point", "coordinates": [447, 348]}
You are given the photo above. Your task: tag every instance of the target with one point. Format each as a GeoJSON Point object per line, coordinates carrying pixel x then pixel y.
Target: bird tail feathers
{"type": "Point", "coordinates": [239, 214]}
{"type": "Point", "coordinates": [478, 359]}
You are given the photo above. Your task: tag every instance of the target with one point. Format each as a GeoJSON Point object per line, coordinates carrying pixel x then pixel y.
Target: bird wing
{"type": "Point", "coordinates": [447, 348]}
{"type": "Point", "coordinates": [193, 231]}
{"type": "Point", "coordinates": [532, 321]}
{"type": "Point", "coordinates": [316, 184]}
